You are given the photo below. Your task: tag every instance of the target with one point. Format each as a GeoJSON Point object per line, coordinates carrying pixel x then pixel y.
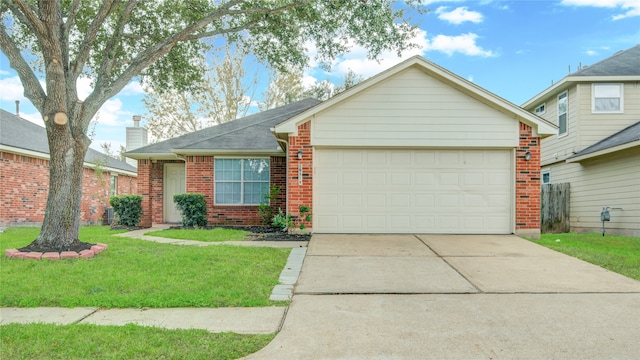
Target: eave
{"type": "Point", "coordinates": [606, 151]}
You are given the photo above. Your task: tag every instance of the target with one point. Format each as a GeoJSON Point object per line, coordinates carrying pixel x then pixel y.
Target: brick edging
{"type": "Point", "coordinates": [34, 255]}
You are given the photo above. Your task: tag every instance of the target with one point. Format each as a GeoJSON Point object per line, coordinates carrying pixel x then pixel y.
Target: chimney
{"type": "Point", "coordinates": [18, 108]}
{"type": "Point", "coordinates": [136, 137]}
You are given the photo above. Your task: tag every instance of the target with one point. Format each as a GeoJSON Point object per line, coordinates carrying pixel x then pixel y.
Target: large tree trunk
{"type": "Point", "coordinates": [62, 216]}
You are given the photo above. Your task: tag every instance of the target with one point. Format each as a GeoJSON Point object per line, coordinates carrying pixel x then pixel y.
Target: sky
{"type": "Point", "coordinates": [514, 49]}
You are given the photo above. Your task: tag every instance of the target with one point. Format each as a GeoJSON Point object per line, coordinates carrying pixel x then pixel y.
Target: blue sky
{"type": "Point", "coordinates": [514, 49]}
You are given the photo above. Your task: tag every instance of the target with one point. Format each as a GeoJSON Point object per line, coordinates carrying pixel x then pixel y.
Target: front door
{"type": "Point", "coordinates": [174, 183]}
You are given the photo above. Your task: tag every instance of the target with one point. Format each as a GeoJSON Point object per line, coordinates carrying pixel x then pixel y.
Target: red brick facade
{"type": "Point", "coordinates": [298, 180]}
{"type": "Point", "coordinates": [300, 176]}
{"type": "Point", "coordinates": [25, 187]}
{"type": "Point", "coordinates": [528, 183]}
{"type": "Point", "coordinates": [200, 179]}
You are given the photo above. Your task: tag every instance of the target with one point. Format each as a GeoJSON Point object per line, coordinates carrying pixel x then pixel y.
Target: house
{"type": "Point", "coordinates": [414, 149]}
{"type": "Point", "coordinates": [597, 147]}
{"type": "Point", "coordinates": [24, 175]}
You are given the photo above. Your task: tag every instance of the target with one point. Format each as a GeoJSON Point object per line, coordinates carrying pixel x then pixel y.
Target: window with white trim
{"type": "Point", "coordinates": [541, 109]}
{"type": "Point", "coordinates": [241, 181]}
{"type": "Point", "coordinates": [113, 185]}
{"type": "Point", "coordinates": [607, 98]}
{"type": "Point", "coordinates": [563, 109]}
{"type": "Point", "coordinates": [546, 176]}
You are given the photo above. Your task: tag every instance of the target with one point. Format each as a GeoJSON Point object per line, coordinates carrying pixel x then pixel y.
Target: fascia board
{"type": "Point", "coordinates": [604, 151]}
{"type": "Point", "coordinates": [570, 80]}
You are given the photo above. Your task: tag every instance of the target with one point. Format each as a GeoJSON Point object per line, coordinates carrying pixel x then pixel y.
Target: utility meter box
{"type": "Point", "coordinates": [604, 215]}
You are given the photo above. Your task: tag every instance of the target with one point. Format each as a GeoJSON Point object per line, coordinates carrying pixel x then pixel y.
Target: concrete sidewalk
{"type": "Point", "coordinates": [259, 320]}
{"type": "Point", "coordinates": [454, 297]}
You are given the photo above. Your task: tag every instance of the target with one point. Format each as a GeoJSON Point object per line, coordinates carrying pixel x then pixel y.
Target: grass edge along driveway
{"type": "Point", "coordinates": [620, 254]}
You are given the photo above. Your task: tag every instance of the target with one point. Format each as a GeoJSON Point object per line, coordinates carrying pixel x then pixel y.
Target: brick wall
{"type": "Point", "coordinates": [25, 187]}
{"type": "Point", "coordinates": [300, 194]}
{"type": "Point", "coordinates": [528, 184]}
{"type": "Point", "coordinates": [200, 179]}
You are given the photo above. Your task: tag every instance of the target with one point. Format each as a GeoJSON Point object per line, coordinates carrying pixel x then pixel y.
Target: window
{"type": "Point", "coordinates": [113, 186]}
{"type": "Point", "coordinates": [607, 98]}
{"type": "Point", "coordinates": [241, 181]}
{"type": "Point", "coordinates": [563, 105]}
{"type": "Point", "coordinates": [541, 109]}
{"type": "Point", "coordinates": [546, 176]}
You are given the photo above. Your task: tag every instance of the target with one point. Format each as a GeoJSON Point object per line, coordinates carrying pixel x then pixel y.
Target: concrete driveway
{"type": "Point", "coordinates": [454, 297]}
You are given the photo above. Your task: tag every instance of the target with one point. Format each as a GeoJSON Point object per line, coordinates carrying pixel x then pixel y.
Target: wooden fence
{"type": "Point", "coordinates": [554, 208]}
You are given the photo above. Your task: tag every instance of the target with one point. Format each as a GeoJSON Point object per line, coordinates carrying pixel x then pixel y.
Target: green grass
{"type": "Point", "coordinates": [616, 253]}
{"type": "Point", "coordinates": [134, 273]}
{"type": "Point", "coordinates": [83, 341]}
{"type": "Point", "coordinates": [213, 235]}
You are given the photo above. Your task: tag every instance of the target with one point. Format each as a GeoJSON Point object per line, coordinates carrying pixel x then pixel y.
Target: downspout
{"type": "Point", "coordinates": [286, 151]}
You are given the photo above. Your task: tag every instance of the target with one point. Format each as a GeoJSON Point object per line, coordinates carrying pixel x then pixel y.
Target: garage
{"type": "Point", "coordinates": [416, 149]}
{"type": "Point", "coordinates": [462, 191]}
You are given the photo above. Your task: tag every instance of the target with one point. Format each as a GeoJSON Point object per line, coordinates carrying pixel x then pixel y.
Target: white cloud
{"type": "Point", "coordinates": [35, 118]}
{"type": "Point", "coordinates": [11, 89]}
{"type": "Point", "coordinates": [111, 113]}
{"type": "Point", "coordinates": [84, 88]}
{"type": "Point", "coordinates": [464, 44]}
{"type": "Point", "coordinates": [470, 78]}
{"type": "Point", "coordinates": [631, 8]}
{"type": "Point", "coordinates": [458, 15]}
{"type": "Point", "coordinates": [132, 88]}
{"type": "Point", "coordinates": [4, 72]}
{"type": "Point", "coordinates": [591, 52]}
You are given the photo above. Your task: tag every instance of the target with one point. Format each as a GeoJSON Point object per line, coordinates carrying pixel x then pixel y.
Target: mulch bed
{"type": "Point", "coordinates": [76, 246]}
{"type": "Point", "coordinates": [262, 233]}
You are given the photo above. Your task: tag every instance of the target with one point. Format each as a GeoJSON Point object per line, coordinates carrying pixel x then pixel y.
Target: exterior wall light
{"type": "Point", "coordinates": [527, 156]}
{"type": "Point", "coordinates": [300, 154]}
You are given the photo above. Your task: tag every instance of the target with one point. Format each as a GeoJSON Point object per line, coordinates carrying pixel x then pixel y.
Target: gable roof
{"type": "Point", "coordinates": [621, 66]}
{"type": "Point", "coordinates": [540, 126]}
{"type": "Point", "coordinates": [623, 139]}
{"type": "Point", "coordinates": [250, 134]}
{"type": "Point", "coordinates": [18, 135]}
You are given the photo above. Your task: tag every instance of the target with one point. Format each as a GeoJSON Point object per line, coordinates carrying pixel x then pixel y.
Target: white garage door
{"type": "Point", "coordinates": [412, 191]}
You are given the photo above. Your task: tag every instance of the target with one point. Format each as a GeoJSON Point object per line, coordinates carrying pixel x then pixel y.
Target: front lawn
{"type": "Point", "coordinates": [134, 273]}
{"type": "Point", "coordinates": [212, 235]}
{"type": "Point", "coordinates": [616, 253]}
{"type": "Point", "coordinates": [84, 341]}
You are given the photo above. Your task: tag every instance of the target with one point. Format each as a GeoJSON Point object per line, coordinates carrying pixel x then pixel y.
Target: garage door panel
{"type": "Point", "coordinates": [404, 191]}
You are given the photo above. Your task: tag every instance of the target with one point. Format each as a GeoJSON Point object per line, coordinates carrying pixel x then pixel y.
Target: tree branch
{"type": "Point", "coordinates": [27, 14]}
{"type": "Point", "coordinates": [85, 48]}
{"type": "Point", "coordinates": [32, 88]}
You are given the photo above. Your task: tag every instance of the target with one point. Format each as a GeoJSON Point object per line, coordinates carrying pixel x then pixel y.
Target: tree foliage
{"type": "Point", "coordinates": [160, 43]}
{"type": "Point", "coordinates": [221, 95]}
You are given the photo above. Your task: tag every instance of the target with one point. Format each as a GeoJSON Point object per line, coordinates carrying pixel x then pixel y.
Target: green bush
{"type": "Point", "coordinates": [265, 209]}
{"type": "Point", "coordinates": [127, 209]}
{"type": "Point", "coordinates": [193, 208]}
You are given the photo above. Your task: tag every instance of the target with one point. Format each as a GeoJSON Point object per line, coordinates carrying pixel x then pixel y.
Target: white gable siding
{"type": "Point", "coordinates": [412, 109]}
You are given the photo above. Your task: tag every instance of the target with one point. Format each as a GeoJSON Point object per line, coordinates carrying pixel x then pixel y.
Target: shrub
{"type": "Point", "coordinates": [127, 209]}
{"type": "Point", "coordinates": [193, 208]}
{"type": "Point", "coordinates": [265, 209]}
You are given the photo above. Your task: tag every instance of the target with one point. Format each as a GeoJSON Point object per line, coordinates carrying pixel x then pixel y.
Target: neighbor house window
{"type": "Point", "coordinates": [546, 176]}
{"type": "Point", "coordinates": [541, 109]}
{"type": "Point", "coordinates": [113, 186]}
{"type": "Point", "coordinates": [241, 181]}
{"type": "Point", "coordinates": [607, 98]}
{"type": "Point", "coordinates": [563, 106]}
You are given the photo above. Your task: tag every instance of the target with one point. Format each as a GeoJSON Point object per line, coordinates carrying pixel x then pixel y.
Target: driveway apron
{"type": "Point", "coordinates": [454, 297]}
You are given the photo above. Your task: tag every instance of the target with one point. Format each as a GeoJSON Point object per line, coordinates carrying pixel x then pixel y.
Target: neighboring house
{"type": "Point", "coordinates": [24, 175]}
{"type": "Point", "coordinates": [414, 149]}
{"type": "Point", "coordinates": [597, 147]}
